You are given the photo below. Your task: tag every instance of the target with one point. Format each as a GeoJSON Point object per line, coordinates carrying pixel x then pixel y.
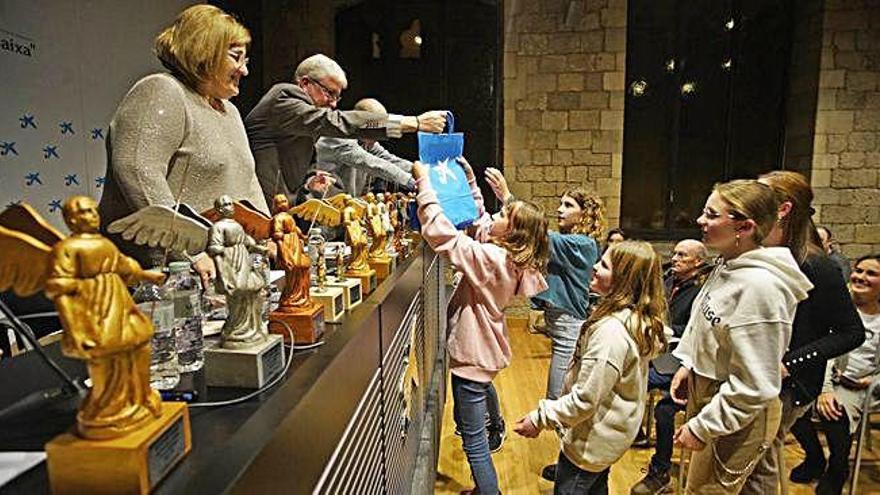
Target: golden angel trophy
{"type": "Point", "coordinates": [359, 279]}
{"type": "Point", "coordinates": [245, 356]}
{"type": "Point", "coordinates": [126, 439]}
{"type": "Point", "coordinates": [296, 309]}
{"type": "Point", "coordinates": [389, 220]}
{"type": "Point", "coordinates": [378, 257]}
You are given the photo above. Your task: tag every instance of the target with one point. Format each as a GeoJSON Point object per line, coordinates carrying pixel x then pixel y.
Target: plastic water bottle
{"type": "Point", "coordinates": [183, 288]}
{"type": "Point", "coordinates": [153, 301]}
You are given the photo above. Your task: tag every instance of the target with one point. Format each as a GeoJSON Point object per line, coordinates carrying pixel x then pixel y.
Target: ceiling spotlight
{"type": "Point", "coordinates": [417, 40]}
{"type": "Point", "coordinates": [727, 64]}
{"type": "Point", "coordinates": [729, 25]}
{"type": "Point", "coordinates": [638, 88]}
{"type": "Point", "coordinates": [670, 65]}
{"type": "Point", "coordinates": [688, 88]}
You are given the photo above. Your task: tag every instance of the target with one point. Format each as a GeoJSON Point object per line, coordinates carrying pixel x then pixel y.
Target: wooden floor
{"type": "Point", "coordinates": [520, 461]}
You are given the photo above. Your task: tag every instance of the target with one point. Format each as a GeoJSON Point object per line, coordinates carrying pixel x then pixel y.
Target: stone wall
{"type": "Point", "coordinates": [846, 147]}
{"type": "Point", "coordinates": [564, 65]}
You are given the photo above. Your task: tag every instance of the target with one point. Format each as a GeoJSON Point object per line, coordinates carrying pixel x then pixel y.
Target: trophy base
{"type": "Point", "coordinates": [368, 280]}
{"type": "Point", "coordinates": [307, 324]}
{"type": "Point", "coordinates": [351, 291]}
{"type": "Point", "coordinates": [134, 463]}
{"type": "Point", "coordinates": [250, 367]}
{"type": "Point", "coordinates": [332, 299]}
{"type": "Point", "coordinates": [382, 267]}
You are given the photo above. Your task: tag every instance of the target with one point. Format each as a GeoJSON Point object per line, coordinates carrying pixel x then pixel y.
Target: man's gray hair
{"type": "Point", "coordinates": [319, 66]}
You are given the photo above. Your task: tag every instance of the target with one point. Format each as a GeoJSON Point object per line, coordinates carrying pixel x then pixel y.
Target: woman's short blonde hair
{"type": "Point", "coordinates": [193, 48]}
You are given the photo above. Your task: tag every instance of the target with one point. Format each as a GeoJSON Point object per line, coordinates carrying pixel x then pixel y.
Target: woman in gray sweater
{"type": "Point", "coordinates": [175, 137]}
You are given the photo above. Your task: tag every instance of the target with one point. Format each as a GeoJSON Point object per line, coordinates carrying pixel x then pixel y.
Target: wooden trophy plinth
{"type": "Point", "coordinates": [250, 367]}
{"type": "Point", "coordinates": [352, 291]}
{"type": "Point", "coordinates": [132, 464]}
{"type": "Point", "coordinates": [307, 323]}
{"type": "Point", "coordinates": [382, 267]}
{"type": "Point", "coordinates": [332, 299]}
{"type": "Point", "coordinates": [368, 280]}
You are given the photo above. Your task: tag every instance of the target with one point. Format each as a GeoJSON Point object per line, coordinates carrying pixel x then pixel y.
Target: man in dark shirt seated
{"type": "Point", "coordinates": [682, 284]}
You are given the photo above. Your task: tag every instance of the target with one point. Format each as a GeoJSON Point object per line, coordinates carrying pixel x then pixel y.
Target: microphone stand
{"type": "Point", "coordinates": [36, 400]}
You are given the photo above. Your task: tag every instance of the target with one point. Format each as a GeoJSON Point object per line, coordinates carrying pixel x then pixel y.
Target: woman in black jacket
{"type": "Point", "coordinates": [826, 324]}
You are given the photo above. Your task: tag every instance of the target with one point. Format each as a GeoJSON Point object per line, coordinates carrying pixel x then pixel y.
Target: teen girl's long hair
{"type": "Point", "coordinates": [526, 240]}
{"type": "Point", "coordinates": [636, 284]}
{"type": "Point", "coordinates": [592, 221]}
{"type": "Point", "coordinates": [798, 231]}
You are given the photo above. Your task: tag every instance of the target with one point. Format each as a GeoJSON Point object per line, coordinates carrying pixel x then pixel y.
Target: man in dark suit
{"type": "Point", "coordinates": [284, 126]}
{"type": "Point", "coordinates": [682, 284]}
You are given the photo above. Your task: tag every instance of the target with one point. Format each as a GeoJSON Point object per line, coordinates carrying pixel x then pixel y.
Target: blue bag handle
{"type": "Point", "coordinates": [450, 123]}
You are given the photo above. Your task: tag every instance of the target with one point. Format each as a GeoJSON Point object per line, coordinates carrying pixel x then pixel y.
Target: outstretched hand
{"type": "Point", "coordinates": [526, 428]}
{"type": "Point", "coordinates": [432, 121]}
{"type": "Point", "coordinates": [498, 183]}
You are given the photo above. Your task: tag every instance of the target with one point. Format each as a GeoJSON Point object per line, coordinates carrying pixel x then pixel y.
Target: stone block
{"type": "Point", "coordinates": [593, 81]}
{"type": "Point", "coordinates": [576, 62]}
{"type": "Point", "coordinates": [543, 157]}
{"type": "Point", "coordinates": [844, 214]}
{"type": "Point", "coordinates": [592, 41]}
{"type": "Point", "coordinates": [576, 173]}
{"type": "Point", "coordinates": [845, 40]}
{"type": "Point", "coordinates": [617, 165]}
{"type": "Point", "coordinates": [562, 157]}
{"type": "Point", "coordinates": [541, 83]}
{"type": "Point", "coordinates": [862, 197]}
{"type": "Point", "coordinates": [594, 99]}
{"type": "Point", "coordinates": [565, 43]}
{"type": "Point", "coordinates": [834, 122]}
{"type": "Point", "coordinates": [615, 40]}
{"type": "Point", "coordinates": [583, 119]}
{"type": "Point", "coordinates": [853, 178]}
{"type": "Point", "coordinates": [534, 44]}
{"type": "Point", "coordinates": [617, 100]}
{"type": "Point", "coordinates": [554, 120]}
{"type": "Point", "coordinates": [537, 101]}
{"type": "Point", "coordinates": [554, 173]}
{"type": "Point", "coordinates": [529, 118]}
{"type": "Point", "coordinates": [552, 63]}
{"type": "Point", "coordinates": [820, 180]}
{"type": "Point", "coordinates": [827, 196]}
{"type": "Point", "coordinates": [855, 251]}
{"type": "Point", "coordinates": [827, 99]}
{"type": "Point", "coordinates": [849, 100]}
{"type": "Point", "coordinates": [567, 100]}
{"type": "Point", "coordinates": [861, 80]}
{"type": "Point", "coordinates": [832, 79]}
{"type": "Point", "coordinates": [611, 119]}
{"type": "Point", "coordinates": [845, 20]}
{"type": "Point", "coordinates": [600, 172]}
{"type": "Point", "coordinates": [588, 157]}
{"type": "Point", "coordinates": [529, 173]}
{"type": "Point", "coordinates": [602, 62]}
{"type": "Point", "coordinates": [608, 141]}
{"type": "Point", "coordinates": [862, 141]}
{"type": "Point", "coordinates": [613, 81]}
{"type": "Point", "coordinates": [521, 189]}
{"type": "Point", "coordinates": [541, 140]}
{"type": "Point", "coordinates": [544, 189]}
{"type": "Point", "coordinates": [867, 120]}
{"type": "Point", "coordinates": [851, 61]}
{"type": "Point", "coordinates": [608, 187]}
{"type": "Point", "coordinates": [613, 18]}
{"type": "Point", "coordinates": [868, 234]}
{"type": "Point", "coordinates": [570, 81]}
{"type": "Point", "coordinates": [836, 143]}
{"type": "Point", "coordinates": [573, 139]}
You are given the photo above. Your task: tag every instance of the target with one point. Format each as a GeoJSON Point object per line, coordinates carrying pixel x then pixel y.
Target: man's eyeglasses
{"type": "Point", "coordinates": [333, 97]}
{"type": "Point", "coordinates": [240, 58]}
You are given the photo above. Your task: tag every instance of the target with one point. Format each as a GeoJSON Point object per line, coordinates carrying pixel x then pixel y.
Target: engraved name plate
{"type": "Point", "coordinates": [165, 451]}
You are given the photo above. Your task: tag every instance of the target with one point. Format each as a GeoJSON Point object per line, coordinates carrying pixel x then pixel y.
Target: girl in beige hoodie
{"type": "Point", "coordinates": [603, 400]}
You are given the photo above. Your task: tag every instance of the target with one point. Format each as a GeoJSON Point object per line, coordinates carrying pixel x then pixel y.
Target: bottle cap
{"type": "Point", "coordinates": [178, 266]}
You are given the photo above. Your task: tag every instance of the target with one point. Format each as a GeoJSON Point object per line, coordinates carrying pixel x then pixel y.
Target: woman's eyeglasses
{"type": "Point", "coordinates": [239, 57]}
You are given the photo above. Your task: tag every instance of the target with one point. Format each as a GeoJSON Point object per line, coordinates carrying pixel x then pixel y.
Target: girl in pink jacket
{"type": "Point", "coordinates": [505, 260]}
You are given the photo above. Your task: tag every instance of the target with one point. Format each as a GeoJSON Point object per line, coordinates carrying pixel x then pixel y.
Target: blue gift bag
{"type": "Point", "coordinates": [439, 152]}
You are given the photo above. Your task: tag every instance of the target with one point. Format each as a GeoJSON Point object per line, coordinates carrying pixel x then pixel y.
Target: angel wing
{"type": "Point", "coordinates": [338, 201]}
{"type": "Point", "coordinates": [161, 226]}
{"type": "Point", "coordinates": [26, 240]}
{"type": "Point", "coordinates": [319, 211]}
{"type": "Point", "coordinates": [254, 222]}
{"type": "Point", "coordinates": [360, 208]}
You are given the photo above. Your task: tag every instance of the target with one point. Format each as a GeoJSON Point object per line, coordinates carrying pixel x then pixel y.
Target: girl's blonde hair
{"type": "Point", "coordinates": [194, 47]}
{"type": "Point", "coordinates": [636, 284]}
{"type": "Point", "coordinates": [526, 239]}
{"type": "Point", "coordinates": [592, 221]}
{"type": "Point", "coordinates": [751, 200]}
{"type": "Point", "coordinates": [797, 227]}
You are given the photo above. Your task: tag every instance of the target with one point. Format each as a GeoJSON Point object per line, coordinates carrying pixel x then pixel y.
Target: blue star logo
{"type": "Point", "coordinates": [7, 148]}
{"type": "Point", "coordinates": [50, 152]}
{"type": "Point", "coordinates": [70, 180]}
{"type": "Point", "coordinates": [444, 172]}
{"type": "Point", "coordinates": [54, 205]}
{"type": "Point", "coordinates": [97, 133]}
{"type": "Point", "coordinates": [32, 178]}
{"type": "Point", "coordinates": [66, 128]}
{"type": "Point", "coordinates": [100, 181]}
{"type": "Point", "coordinates": [27, 120]}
